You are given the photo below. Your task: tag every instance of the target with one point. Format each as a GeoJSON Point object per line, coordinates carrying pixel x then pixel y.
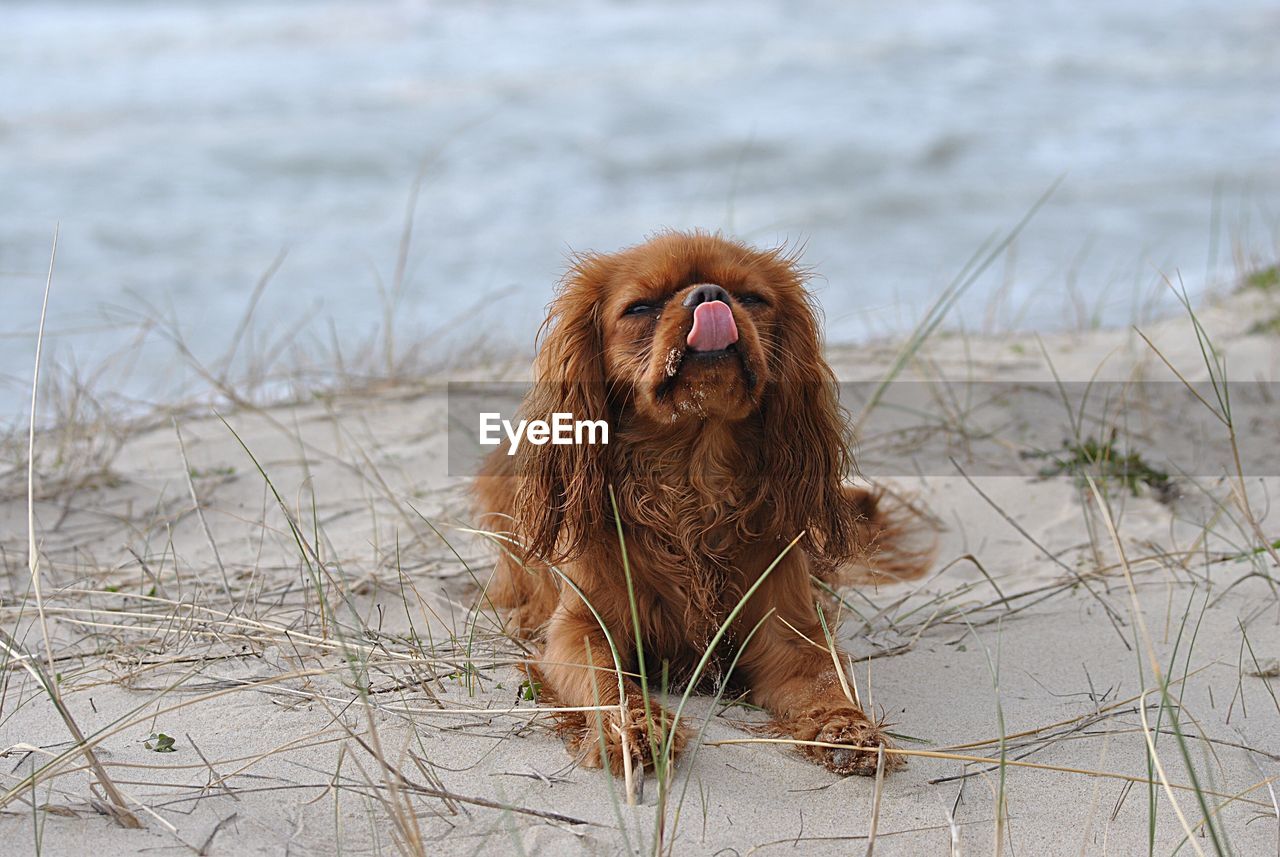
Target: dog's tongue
{"type": "Point", "coordinates": [713, 327]}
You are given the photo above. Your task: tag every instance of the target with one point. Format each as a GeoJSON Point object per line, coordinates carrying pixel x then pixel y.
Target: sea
{"type": "Point", "coordinates": [432, 163]}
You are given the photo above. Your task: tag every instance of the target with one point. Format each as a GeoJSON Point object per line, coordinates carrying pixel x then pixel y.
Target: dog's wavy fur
{"type": "Point", "coordinates": [717, 462]}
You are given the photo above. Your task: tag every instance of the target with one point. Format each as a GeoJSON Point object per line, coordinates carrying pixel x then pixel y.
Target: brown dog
{"type": "Point", "coordinates": [726, 443]}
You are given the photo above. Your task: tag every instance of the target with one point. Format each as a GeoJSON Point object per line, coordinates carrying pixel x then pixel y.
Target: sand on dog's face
{"type": "Point", "coordinates": [361, 642]}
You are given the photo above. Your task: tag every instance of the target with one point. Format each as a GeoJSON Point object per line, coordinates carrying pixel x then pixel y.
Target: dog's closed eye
{"type": "Point", "coordinates": [643, 308]}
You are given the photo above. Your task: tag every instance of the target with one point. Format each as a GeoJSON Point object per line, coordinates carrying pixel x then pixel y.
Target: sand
{"type": "Point", "coordinates": [308, 642]}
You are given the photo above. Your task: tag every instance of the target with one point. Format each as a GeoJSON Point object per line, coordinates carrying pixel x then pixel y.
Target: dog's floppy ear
{"type": "Point", "coordinates": [806, 447]}
{"type": "Point", "coordinates": [561, 496]}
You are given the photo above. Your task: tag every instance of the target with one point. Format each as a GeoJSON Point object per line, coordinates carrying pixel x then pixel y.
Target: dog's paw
{"type": "Point", "coordinates": [631, 735]}
{"type": "Point", "coordinates": [851, 728]}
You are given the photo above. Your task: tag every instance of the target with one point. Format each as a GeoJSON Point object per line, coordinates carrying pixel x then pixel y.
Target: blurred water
{"type": "Point", "coordinates": [183, 145]}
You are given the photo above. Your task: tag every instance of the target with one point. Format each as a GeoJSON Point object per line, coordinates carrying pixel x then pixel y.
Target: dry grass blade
{"type": "Point", "coordinates": [986, 742]}
{"type": "Point", "coordinates": [1075, 575]}
{"type": "Point", "coordinates": [1275, 804]}
{"type": "Point", "coordinates": [116, 804]}
{"type": "Point", "coordinates": [1216, 367]}
{"type": "Point", "coordinates": [875, 803]}
{"type": "Point", "coordinates": [242, 328]}
{"type": "Point", "coordinates": [1012, 763]}
{"type": "Point", "coordinates": [850, 693]}
{"type": "Point", "coordinates": [199, 509]}
{"type": "Point", "coordinates": [1141, 623]}
{"type": "Point", "coordinates": [628, 772]}
{"type": "Point", "coordinates": [33, 551]}
{"type": "Point", "coordinates": [934, 317]}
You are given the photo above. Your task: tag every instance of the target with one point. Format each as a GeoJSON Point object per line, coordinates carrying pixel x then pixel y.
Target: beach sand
{"type": "Point", "coordinates": [307, 639]}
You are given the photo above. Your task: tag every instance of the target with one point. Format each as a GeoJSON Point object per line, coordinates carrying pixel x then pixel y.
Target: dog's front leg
{"type": "Point", "coordinates": [791, 673]}
{"type": "Point", "coordinates": [578, 668]}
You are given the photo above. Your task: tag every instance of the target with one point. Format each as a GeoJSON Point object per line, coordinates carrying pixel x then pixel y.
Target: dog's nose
{"type": "Point", "coordinates": [706, 293]}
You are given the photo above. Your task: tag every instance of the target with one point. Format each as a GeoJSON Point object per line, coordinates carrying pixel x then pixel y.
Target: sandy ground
{"type": "Point", "coordinates": [314, 656]}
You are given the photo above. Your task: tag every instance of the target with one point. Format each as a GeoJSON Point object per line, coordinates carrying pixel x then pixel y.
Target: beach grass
{"type": "Point", "coordinates": [279, 576]}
